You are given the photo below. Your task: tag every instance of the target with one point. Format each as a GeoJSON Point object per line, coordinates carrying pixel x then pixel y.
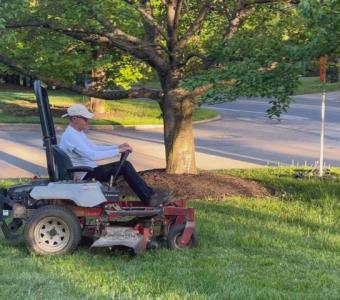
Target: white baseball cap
{"type": "Point", "coordinates": [78, 110]}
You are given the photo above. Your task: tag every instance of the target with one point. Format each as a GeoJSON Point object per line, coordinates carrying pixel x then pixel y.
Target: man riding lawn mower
{"type": "Point", "coordinates": [84, 201]}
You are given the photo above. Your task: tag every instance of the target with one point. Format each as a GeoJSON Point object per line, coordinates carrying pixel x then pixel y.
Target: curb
{"type": "Point", "coordinates": [218, 117]}
{"type": "Point", "coordinates": [105, 127]}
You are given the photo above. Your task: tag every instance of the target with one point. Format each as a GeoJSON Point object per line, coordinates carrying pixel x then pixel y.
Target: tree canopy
{"type": "Point", "coordinates": [323, 19]}
{"type": "Point", "coordinates": [59, 39]}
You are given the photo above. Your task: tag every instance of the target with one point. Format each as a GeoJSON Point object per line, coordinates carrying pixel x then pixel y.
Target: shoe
{"type": "Point", "coordinates": [159, 198]}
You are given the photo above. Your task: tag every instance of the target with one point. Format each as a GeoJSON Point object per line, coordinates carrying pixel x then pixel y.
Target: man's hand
{"type": "Point", "coordinates": [124, 147]}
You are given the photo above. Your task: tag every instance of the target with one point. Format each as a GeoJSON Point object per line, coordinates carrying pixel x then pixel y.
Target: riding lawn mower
{"type": "Point", "coordinates": [56, 213]}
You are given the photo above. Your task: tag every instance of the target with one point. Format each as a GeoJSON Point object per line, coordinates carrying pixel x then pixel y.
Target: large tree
{"type": "Point", "coordinates": [198, 50]}
{"type": "Point", "coordinates": [323, 19]}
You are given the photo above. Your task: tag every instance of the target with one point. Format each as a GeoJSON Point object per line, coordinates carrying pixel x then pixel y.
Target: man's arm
{"type": "Point", "coordinates": [95, 154]}
{"type": "Point", "coordinates": [96, 147]}
{"type": "Point", "coordinates": [121, 148]}
{"type": "Point", "coordinates": [103, 147]}
{"type": "Point", "coordinates": [84, 149]}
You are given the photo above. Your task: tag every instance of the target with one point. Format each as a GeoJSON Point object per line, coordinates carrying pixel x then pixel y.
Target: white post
{"type": "Point", "coordinates": [322, 134]}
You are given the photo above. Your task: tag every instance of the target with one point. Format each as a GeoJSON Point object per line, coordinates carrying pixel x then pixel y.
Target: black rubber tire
{"type": "Point", "coordinates": [63, 219]}
{"type": "Point", "coordinates": [175, 233]}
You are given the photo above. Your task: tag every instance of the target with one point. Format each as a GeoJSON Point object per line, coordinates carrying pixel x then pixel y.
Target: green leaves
{"type": "Point", "coordinates": [264, 59]}
{"type": "Point", "coordinates": [323, 18]}
{"type": "Point", "coordinates": [126, 71]}
{"type": "Point", "coordinates": [55, 55]}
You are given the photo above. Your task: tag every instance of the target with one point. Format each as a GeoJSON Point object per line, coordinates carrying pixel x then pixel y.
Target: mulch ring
{"type": "Point", "coordinates": [202, 186]}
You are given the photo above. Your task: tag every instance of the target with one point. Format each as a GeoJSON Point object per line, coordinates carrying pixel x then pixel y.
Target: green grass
{"type": "Point", "coordinates": [20, 107]}
{"type": "Point", "coordinates": [282, 247]}
{"type": "Point", "coordinates": [309, 85]}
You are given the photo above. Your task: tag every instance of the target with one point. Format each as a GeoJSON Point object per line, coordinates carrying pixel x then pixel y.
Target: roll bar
{"type": "Point", "coordinates": [47, 126]}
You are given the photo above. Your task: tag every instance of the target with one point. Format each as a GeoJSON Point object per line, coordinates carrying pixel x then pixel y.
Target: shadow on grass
{"type": "Point", "coordinates": [28, 109]}
{"type": "Point", "coordinates": [14, 97]}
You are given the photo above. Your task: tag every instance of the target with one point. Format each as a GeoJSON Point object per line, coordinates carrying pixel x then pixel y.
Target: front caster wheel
{"type": "Point", "coordinates": [52, 230]}
{"type": "Point", "coordinates": [174, 237]}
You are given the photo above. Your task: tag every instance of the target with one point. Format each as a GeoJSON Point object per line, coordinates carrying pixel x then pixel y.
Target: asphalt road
{"type": "Point", "coordinates": [243, 137]}
{"type": "Point", "coordinates": [245, 132]}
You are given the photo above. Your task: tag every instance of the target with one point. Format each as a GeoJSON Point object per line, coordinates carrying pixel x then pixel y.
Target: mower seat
{"type": "Point", "coordinates": [63, 165]}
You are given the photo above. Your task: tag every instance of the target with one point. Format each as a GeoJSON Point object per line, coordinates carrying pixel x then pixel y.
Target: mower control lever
{"type": "Point", "coordinates": [123, 158]}
{"type": "Point", "coordinates": [124, 155]}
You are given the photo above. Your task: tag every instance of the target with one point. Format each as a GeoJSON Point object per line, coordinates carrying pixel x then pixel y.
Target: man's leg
{"type": "Point", "coordinates": [137, 184]}
{"type": "Point", "coordinates": [101, 173]}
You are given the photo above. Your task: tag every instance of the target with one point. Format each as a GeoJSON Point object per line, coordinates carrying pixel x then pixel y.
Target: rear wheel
{"type": "Point", "coordinates": [174, 237]}
{"type": "Point", "coordinates": [52, 230]}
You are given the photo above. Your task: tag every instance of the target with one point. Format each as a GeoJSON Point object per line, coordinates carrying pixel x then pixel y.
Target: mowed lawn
{"type": "Point", "coordinates": [286, 246]}
{"type": "Point", "coordinates": [308, 85]}
{"type": "Point", "coordinates": [19, 106]}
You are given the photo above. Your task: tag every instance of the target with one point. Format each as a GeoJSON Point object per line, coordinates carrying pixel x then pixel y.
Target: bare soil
{"type": "Point", "coordinates": [205, 185]}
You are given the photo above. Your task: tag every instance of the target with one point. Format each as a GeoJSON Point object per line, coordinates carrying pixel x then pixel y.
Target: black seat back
{"type": "Point", "coordinates": [47, 126]}
{"type": "Point", "coordinates": [62, 162]}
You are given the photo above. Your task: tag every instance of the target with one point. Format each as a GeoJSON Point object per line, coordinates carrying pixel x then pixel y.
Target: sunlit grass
{"type": "Point", "coordinates": [310, 85]}
{"type": "Point", "coordinates": [282, 247]}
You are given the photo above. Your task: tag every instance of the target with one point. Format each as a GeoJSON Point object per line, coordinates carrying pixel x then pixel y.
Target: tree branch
{"type": "Point", "coordinates": [245, 9]}
{"type": "Point", "coordinates": [91, 36]}
{"type": "Point", "coordinates": [116, 39]}
{"type": "Point", "coordinates": [199, 91]}
{"type": "Point", "coordinates": [195, 26]}
{"type": "Point", "coordinates": [153, 94]}
{"type": "Point", "coordinates": [171, 12]}
{"type": "Point", "coordinates": [106, 94]}
{"type": "Point", "coordinates": [237, 19]}
{"type": "Point", "coordinates": [174, 8]}
{"type": "Point", "coordinates": [146, 13]}
{"type": "Point", "coordinates": [108, 25]}
{"type": "Point", "coordinates": [128, 42]}
{"type": "Point", "coordinates": [206, 61]}
{"type": "Point", "coordinates": [179, 5]}
{"type": "Point", "coordinates": [105, 22]}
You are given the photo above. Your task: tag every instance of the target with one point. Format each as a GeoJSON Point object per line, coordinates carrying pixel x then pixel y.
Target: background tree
{"type": "Point", "coordinates": [323, 19]}
{"type": "Point", "coordinates": [199, 50]}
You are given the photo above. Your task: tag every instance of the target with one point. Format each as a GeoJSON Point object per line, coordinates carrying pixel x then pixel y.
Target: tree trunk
{"type": "Point", "coordinates": [24, 81]}
{"type": "Point", "coordinates": [97, 105]}
{"type": "Point", "coordinates": [99, 80]}
{"type": "Point", "coordinates": [178, 133]}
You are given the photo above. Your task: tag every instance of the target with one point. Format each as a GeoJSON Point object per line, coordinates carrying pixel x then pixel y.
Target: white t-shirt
{"type": "Point", "coordinates": [82, 151]}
